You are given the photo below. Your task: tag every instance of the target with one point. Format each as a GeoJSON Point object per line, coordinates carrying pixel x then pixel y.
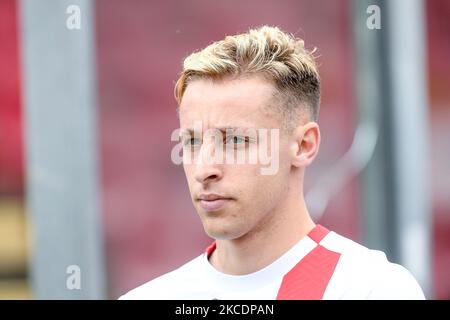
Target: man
{"type": "Point", "coordinates": [266, 244]}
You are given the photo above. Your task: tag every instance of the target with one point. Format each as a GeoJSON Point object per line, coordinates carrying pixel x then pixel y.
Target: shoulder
{"type": "Point", "coordinates": [395, 282]}
{"type": "Point", "coordinates": [169, 285]}
{"type": "Point", "coordinates": [363, 273]}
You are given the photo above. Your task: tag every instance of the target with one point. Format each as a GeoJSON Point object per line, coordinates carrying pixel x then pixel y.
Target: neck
{"type": "Point", "coordinates": [281, 230]}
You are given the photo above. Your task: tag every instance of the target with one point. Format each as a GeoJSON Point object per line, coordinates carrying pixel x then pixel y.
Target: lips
{"type": "Point", "coordinates": [213, 202]}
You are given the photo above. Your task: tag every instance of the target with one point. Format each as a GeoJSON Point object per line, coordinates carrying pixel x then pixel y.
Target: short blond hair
{"type": "Point", "coordinates": [277, 56]}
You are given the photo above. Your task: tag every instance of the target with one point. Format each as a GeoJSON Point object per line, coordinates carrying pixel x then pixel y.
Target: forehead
{"type": "Point", "coordinates": [242, 102]}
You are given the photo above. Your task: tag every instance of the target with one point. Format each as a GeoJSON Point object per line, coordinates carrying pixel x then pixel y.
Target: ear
{"type": "Point", "coordinates": [305, 144]}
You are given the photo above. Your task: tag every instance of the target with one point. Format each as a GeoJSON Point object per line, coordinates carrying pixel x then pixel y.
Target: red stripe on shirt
{"type": "Point", "coordinates": [309, 278]}
{"type": "Point", "coordinates": [210, 249]}
{"type": "Point", "coordinates": [318, 233]}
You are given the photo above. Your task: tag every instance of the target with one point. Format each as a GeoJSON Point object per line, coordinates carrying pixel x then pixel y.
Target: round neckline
{"type": "Point", "coordinates": [273, 271]}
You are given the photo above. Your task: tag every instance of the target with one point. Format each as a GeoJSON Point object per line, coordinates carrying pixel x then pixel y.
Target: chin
{"type": "Point", "coordinates": [218, 233]}
{"type": "Point", "coordinates": [221, 231]}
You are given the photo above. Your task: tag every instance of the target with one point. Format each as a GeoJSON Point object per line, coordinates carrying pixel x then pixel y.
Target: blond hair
{"type": "Point", "coordinates": [277, 56]}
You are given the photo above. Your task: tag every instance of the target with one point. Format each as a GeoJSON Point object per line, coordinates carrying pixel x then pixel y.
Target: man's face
{"type": "Point", "coordinates": [232, 198]}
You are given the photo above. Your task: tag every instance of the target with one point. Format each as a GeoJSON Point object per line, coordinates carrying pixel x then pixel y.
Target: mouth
{"type": "Point", "coordinates": [213, 202]}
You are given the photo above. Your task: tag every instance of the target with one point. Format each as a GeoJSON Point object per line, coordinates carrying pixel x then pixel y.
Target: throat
{"type": "Point", "coordinates": [245, 257]}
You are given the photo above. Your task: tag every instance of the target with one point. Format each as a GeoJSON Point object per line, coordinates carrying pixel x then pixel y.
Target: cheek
{"type": "Point", "coordinates": [269, 188]}
{"type": "Point", "coordinates": [272, 187]}
{"type": "Point", "coordinates": [261, 191]}
{"type": "Point", "coordinates": [189, 173]}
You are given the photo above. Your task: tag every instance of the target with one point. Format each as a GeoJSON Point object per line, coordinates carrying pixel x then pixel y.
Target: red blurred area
{"type": "Point", "coordinates": [11, 147]}
{"type": "Point", "coordinates": [438, 34]}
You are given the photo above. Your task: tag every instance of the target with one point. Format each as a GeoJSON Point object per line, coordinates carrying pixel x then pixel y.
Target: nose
{"type": "Point", "coordinates": [207, 168]}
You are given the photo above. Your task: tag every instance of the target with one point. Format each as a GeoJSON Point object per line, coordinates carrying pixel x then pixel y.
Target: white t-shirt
{"type": "Point", "coordinates": [322, 265]}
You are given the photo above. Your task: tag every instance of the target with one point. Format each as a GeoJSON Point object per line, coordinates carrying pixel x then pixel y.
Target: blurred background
{"type": "Point", "coordinates": [87, 110]}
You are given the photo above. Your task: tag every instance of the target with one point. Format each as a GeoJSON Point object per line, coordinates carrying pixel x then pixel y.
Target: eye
{"type": "Point", "coordinates": [235, 139]}
{"type": "Point", "coordinates": [192, 142]}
